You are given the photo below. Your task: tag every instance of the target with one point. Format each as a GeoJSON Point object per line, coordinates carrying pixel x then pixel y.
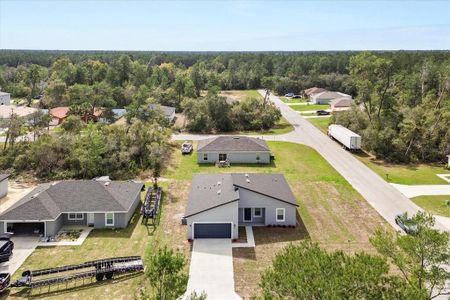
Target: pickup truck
{"type": "Point", "coordinates": [6, 247]}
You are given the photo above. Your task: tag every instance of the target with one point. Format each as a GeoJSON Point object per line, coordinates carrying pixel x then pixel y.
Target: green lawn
{"type": "Point", "coordinates": [321, 123]}
{"type": "Point", "coordinates": [310, 107]}
{"type": "Point", "coordinates": [434, 204]}
{"type": "Point", "coordinates": [405, 174]}
{"type": "Point", "coordinates": [291, 100]}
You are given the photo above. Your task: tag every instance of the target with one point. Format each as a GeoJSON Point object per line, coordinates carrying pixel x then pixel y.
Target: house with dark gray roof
{"type": "Point", "coordinates": [95, 203]}
{"type": "Point", "coordinates": [219, 203]}
{"type": "Point", "coordinates": [234, 149]}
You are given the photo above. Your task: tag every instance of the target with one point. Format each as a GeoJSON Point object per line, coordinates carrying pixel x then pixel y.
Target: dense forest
{"type": "Point", "coordinates": [402, 111]}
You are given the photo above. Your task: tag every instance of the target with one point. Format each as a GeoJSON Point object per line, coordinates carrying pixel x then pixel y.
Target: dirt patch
{"type": "Point", "coordinates": [250, 263]}
{"type": "Point", "coordinates": [16, 191]}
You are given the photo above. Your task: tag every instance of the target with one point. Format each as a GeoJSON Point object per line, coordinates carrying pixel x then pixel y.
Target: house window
{"type": "Point", "coordinates": [257, 157]}
{"type": "Point", "coordinates": [222, 156]}
{"type": "Point", "coordinates": [280, 214]}
{"type": "Point", "coordinates": [75, 216]}
{"type": "Point", "coordinates": [257, 212]}
{"type": "Point", "coordinates": [205, 156]}
{"type": "Point", "coordinates": [109, 219]}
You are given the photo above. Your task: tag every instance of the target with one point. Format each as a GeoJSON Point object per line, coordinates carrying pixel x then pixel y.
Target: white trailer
{"type": "Point", "coordinates": [346, 137]}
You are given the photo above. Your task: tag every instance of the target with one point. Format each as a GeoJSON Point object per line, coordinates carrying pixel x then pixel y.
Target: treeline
{"type": "Point", "coordinates": [80, 150]}
{"type": "Point", "coordinates": [402, 97]}
{"type": "Point", "coordinates": [402, 113]}
{"type": "Point", "coordinates": [279, 71]}
{"type": "Point", "coordinates": [214, 114]}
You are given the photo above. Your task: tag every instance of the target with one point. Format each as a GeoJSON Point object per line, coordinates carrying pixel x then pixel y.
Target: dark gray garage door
{"type": "Point", "coordinates": [212, 231]}
{"type": "Point", "coordinates": [26, 228]}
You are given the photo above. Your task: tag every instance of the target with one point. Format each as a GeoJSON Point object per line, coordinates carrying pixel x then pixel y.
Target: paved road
{"type": "Point", "coordinates": [211, 270]}
{"type": "Point", "coordinates": [23, 247]}
{"type": "Point", "coordinates": [381, 195]}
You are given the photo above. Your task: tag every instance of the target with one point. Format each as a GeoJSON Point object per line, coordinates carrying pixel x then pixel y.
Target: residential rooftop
{"type": "Point", "coordinates": [232, 143]}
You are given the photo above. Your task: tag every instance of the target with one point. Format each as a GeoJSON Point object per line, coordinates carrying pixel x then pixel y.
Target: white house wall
{"type": "Point", "coordinates": [252, 199]}
{"type": "Point", "coordinates": [236, 157]}
{"type": "Point", "coordinates": [225, 213]}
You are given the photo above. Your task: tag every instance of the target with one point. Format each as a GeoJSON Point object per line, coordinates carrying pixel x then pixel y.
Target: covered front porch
{"type": "Point", "coordinates": [254, 216]}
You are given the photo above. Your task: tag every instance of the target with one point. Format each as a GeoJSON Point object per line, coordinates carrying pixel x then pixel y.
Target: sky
{"type": "Point", "coordinates": [225, 25]}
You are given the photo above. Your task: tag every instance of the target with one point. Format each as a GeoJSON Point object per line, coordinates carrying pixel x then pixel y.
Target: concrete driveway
{"type": "Point", "coordinates": [211, 269]}
{"type": "Point", "coordinates": [23, 247]}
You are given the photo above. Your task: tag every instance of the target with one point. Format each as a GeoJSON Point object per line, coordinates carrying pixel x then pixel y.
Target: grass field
{"type": "Point", "coordinates": [321, 123]}
{"type": "Point", "coordinates": [405, 174]}
{"type": "Point", "coordinates": [291, 100]}
{"type": "Point", "coordinates": [434, 204]}
{"type": "Point", "coordinates": [310, 107]}
{"type": "Point", "coordinates": [331, 212]}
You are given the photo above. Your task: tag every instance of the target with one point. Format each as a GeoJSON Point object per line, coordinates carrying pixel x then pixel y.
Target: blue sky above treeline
{"type": "Point", "coordinates": [225, 25]}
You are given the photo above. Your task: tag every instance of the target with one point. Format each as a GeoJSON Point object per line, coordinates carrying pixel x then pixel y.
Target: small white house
{"type": "Point", "coordinates": [327, 96]}
{"type": "Point", "coordinates": [5, 98]}
{"type": "Point", "coordinates": [448, 163]}
{"type": "Point", "coordinates": [3, 185]}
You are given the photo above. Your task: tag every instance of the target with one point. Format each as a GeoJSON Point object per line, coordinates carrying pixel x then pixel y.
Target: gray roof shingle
{"type": "Point", "coordinates": [49, 200]}
{"type": "Point", "coordinates": [232, 143]}
{"type": "Point", "coordinates": [3, 176]}
{"type": "Point", "coordinates": [205, 195]}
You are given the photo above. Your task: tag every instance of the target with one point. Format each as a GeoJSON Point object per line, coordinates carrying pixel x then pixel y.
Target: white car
{"type": "Point", "coordinates": [186, 148]}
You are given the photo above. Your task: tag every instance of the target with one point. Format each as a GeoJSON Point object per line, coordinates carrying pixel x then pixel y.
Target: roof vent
{"type": "Point", "coordinates": [248, 180]}
{"type": "Point", "coordinates": [246, 175]}
{"type": "Point", "coordinates": [35, 195]}
{"type": "Point", "coordinates": [54, 183]}
{"type": "Point", "coordinates": [107, 183]}
{"type": "Point", "coordinates": [219, 183]}
{"type": "Point", "coordinates": [219, 192]}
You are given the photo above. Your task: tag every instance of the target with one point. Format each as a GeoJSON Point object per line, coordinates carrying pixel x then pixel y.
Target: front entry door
{"type": "Point", "coordinates": [90, 219]}
{"type": "Point", "coordinates": [247, 214]}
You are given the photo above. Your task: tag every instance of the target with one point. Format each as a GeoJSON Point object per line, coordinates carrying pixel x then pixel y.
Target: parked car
{"type": "Point", "coordinates": [322, 113]}
{"type": "Point", "coordinates": [296, 97]}
{"type": "Point", "coordinates": [406, 224]}
{"type": "Point", "coordinates": [5, 278]}
{"type": "Point", "coordinates": [6, 247]}
{"type": "Point", "coordinates": [186, 148]}
{"type": "Point", "coordinates": [289, 95]}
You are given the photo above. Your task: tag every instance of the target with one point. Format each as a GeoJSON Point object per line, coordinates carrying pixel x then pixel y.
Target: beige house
{"type": "Point", "coordinates": [341, 104]}
{"type": "Point", "coordinates": [327, 96]}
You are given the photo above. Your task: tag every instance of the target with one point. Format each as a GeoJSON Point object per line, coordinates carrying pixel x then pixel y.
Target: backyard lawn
{"type": "Point", "coordinates": [310, 107]}
{"type": "Point", "coordinates": [331, 212]}
{"type": "Point", "coordinates": [405, 174]}
{"type": "Point", "coordinates": [436, 205]}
